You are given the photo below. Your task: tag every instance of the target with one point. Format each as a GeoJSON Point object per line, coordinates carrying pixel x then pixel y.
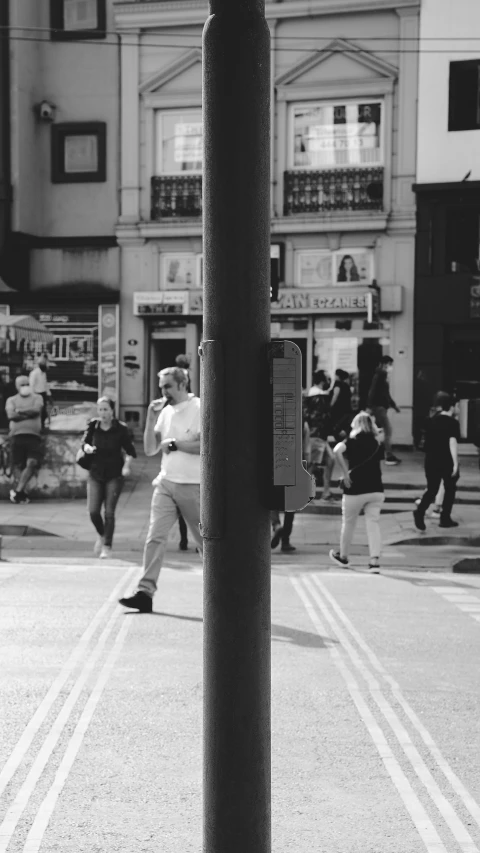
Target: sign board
{"type": "Point", "coordinates": [160, 302]}
{"type": "Point", "coordinates": [108, 329]}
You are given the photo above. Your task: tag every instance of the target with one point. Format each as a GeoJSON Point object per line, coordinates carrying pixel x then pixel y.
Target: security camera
{"type": "Point", "coordinates": [45, 111]}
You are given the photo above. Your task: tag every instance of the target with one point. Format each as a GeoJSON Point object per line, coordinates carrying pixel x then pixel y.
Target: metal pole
{"type": "Point", "coordinates": [235, 524]}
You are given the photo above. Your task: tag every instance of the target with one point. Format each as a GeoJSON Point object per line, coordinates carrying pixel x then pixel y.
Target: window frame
{"type": "Point", "coordinates": [158, 116]}
{"type": "Point", "coordinates": [454, 125]}
{"type": "Point", "coordinates": [337, 102]}
{"type": "Point", "coordinates": [58, 134]}
{"type": "Point", "coordinates": [58, 31]}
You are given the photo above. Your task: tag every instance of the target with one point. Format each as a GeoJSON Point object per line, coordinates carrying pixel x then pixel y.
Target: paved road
{"type": "Point", "coordinates": [376, 691]}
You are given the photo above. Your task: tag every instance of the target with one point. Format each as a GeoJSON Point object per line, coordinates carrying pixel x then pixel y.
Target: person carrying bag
{"type": "Point", "coordinates": [362, 488]}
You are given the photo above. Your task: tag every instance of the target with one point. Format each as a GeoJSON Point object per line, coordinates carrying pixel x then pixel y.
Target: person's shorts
{"type": "Point", "coordinates": [25, 447]}
{"type": "Point", "coordinates": [317, 450]}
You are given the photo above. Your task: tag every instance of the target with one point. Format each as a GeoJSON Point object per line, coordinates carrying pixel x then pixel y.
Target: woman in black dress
{"type": "Point", "coordinates": [106, 439]}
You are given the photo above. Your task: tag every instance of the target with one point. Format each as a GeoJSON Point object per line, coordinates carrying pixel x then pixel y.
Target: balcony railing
{"type": "Point", "coordinates": [175, 196]}
{"type": "Point", "coordinates": [331, 190]}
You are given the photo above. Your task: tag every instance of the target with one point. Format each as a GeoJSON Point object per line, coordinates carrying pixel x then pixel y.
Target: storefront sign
{"type": "Point", "coordinates": [333, 301]}
{"type": "Point", "coordinates": [160, 302]}
{"type": "Point", "coordinates": [108, 351]}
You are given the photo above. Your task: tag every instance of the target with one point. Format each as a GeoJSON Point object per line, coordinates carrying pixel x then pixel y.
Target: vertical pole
{"type": "Point", "coordinates": [235, 524]}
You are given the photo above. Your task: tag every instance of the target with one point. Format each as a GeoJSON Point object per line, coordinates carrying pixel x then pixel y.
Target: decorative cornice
{"type": "Point", "coordinates": [178, 66]}
{"type": "Point", "coordinates": [147, 14]}
{"type": "Point", "coordinates": [363, 57]}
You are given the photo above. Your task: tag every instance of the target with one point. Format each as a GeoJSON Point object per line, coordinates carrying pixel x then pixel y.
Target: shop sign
{"type": "Point", "coordinates": [475, 300]}
{"type": "Point", "coordinates": [160, 302]}
{"type": "Point", "coordinates": [108, 351]}
{"type": "Point", "coordinates": [324, 301]}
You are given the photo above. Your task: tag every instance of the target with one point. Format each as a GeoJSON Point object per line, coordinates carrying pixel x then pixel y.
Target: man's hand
{"type": "Point", "coordinates": [164, 445]}
{"type": "Point", "coordinates": [347, 480]}
{"type": "Point", "coordinates": [156, 406]}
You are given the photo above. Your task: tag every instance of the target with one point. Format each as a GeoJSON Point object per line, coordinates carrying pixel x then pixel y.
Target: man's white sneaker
{"type": "Point", "coordinates": [106, 552]}
{"type": "Point", "coordinates": [98, 546]}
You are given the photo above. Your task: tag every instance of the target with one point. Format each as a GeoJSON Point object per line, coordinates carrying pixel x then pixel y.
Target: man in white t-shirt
{"type": "Point", "coordinates": [175, 430]}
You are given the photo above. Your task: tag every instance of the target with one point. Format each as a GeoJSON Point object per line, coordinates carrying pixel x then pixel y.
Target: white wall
{"type": "Point", "coordinates": [444, 156]}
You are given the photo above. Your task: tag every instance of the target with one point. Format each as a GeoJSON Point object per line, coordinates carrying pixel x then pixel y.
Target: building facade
{"type": "Point", "coordinates": [344, 88]}
{"type": "Point", "coordinates": [61, 257]}
{"type": "Point", "coordinates": [447, 274]}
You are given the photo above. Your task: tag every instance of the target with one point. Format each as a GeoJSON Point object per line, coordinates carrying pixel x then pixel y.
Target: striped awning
{"type": "Point", "coordinates": [23, 327]}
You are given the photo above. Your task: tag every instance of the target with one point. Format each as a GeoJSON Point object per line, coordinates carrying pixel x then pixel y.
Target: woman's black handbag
{"type": "Point", "coordinates": [84, 459]}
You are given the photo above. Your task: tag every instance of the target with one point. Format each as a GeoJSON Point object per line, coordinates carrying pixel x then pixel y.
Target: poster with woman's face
{"type": "Point", "coordinates": [353, 266]}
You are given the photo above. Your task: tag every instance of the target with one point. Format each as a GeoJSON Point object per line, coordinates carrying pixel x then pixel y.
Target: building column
{"type": "Point", "coordinates": [129, 128]}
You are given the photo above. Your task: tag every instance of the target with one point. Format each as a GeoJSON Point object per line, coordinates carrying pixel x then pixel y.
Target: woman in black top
{"type": "Point", "coordinates": [363, 488]}
{"type": "Point", "coordinates": [105, 439]}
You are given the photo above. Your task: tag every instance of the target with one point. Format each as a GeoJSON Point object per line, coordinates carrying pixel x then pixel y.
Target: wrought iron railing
{"type": "Point", "coordinates": [333, 189]}
{"type": "Point", "coordinates": [175, 196]}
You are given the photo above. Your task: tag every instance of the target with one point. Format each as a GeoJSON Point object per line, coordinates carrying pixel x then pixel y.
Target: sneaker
{"type": "Point", "coordinates": [22, 498]}
{"type": "Point", "coordinates": [336, 558]}
{"type": "Point", "coordinates": [139, 601]}
{"type": "Point", "coordinates": [448, 522]}
{"type": "Point", "coordinates": [393, 460]}
{"type": "Point", "coordinates": [106, 552]}
{"type": "Point", "coordinates": [373, 568]}
{"type": "Point", "coordinates": [277, 535]}
{"type": "Point", "coordinates": [287, 548]}
{"type": "Point", "coordinates": [183, 546]}
{"type": "Point", "coordinates": [98, 546]}
{"type": "Point", "coordinates": [13, 497]}
{"type": "Point", "coordinates": [437, 510]}
{"type": "Point", "coordinates": [418, 520]}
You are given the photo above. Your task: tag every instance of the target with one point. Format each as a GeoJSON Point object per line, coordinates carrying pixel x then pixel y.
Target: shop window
{"type": "Point", "coordinates": [463, 239]}
{"type": "Point", "coordinates": [332, 135]}
{"type": "Point", "coordinates": [179, 145]}
{"type": "Point", "coordinates": [323, 268]}
{"type": "Point", "coordinates": [77, 19]}
{"type": "Point", "coordinates": [79, 152]}
{"type": "Point", "coordinates": [464, 95]}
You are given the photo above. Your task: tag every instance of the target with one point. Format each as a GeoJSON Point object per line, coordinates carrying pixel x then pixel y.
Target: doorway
{"type": "Point", "coordinates": [164, 348]}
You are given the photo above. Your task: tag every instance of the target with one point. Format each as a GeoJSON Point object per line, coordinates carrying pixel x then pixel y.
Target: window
{"type": "Point", "coordinates": [79, 152]}
{"type": "Point", "coordinates": [179, 146]}
{"type": "Point", "coordinates": [322, 268]}
{"type": "Point", "coordinates": [463, 239]}
{"type": "Point", "coordinates": [337, 135]}
{"type": "Point", "coordinates": [464, 95]}
{"type": "Point", "coordinates": [74, 19]}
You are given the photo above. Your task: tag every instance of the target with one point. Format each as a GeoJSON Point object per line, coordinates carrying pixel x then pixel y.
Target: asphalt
{"type": "Point", "coordinates": [63, 527]}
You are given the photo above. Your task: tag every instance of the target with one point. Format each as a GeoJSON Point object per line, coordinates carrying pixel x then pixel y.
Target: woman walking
{"type": "Point", "coordinates": [363, 488]}
{"type": "Point", "coordinates": [105, 439]}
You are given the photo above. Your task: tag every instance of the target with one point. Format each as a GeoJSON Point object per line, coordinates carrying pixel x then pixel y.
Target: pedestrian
{"type": "Point", "coordinates": [362, 488]}
{"type": "Point", "coordinates": [175, 430]}
{"type": "Point", "coordinates": [379, 401]}
{"type": "Point", "coordinates": [341, 404]}
{"type": "Point", "coordinates": [39, 384]}
{"type": "Point", "coordinates": [282, 532]}
{"type": "Point", "coordinates": [106, 440]}
{"type": "Point", "coordinates": [183, 361]}
{"type": "Point", "coordinates": [24, 412]}
{"type": "Point", "coordinates": [442, 434]}
{"type": "Point", "coordinates": [316, 406]}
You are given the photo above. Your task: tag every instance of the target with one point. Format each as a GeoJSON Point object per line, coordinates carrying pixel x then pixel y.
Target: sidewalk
{"type": "Point", "coordinates": [64, 526]}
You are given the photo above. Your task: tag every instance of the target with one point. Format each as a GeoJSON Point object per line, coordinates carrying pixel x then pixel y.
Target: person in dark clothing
{"type": "Point", "coordinates": [316, 413]}
{"type": "Point", "coordinates": [442, 433]}
{"type": "Point", "coordinates": [341, 404]}
{"type": "Point", "coordinates": [106, 439]}
{"type": "Point", "coordinates": [379, 401]}
{"type": "Point", "coordinates": [282, 532]}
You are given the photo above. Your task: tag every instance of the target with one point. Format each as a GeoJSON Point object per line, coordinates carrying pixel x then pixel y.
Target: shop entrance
{"type": "Point", "coordinates": [164, 348]}
{"type": "Point", "coordinates": [462, 376]}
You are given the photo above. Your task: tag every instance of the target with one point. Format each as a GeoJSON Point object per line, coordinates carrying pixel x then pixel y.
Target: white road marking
{"type": "Point", "coordinates": [14, 813]}
{"type": "Point", "coordinates": [411, 752]}
{"type": "Point", "coordinates": [422, 822]}
{"type": "Point", "coordinates": [470, 803]}
{"type": "Point", "coordinates": [76, 656]}
{"type": "Point", "coordinates": [42, 819]}
{"type": "Point", "coordinates": [461, 598]}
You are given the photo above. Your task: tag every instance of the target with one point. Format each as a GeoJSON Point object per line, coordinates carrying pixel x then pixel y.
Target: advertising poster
{"type": "Point", "coordinates": [108, 351]}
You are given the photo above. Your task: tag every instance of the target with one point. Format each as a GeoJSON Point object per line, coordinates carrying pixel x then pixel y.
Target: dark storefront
{"type": "Point", "coordinates": [447, 300]}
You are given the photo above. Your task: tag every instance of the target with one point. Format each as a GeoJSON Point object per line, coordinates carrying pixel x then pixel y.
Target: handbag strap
{"type": "Point", "coordinates": [365, 461]}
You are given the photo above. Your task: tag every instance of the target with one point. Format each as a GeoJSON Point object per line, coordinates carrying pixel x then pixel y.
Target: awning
{"type": "Point", "coordinates": [22, 327]}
